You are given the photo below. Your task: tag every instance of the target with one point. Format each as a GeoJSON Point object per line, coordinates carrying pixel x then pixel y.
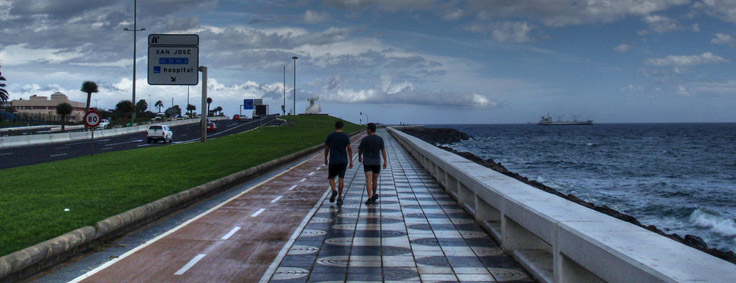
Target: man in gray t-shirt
{"type": "Point", "coordinates": [338, 153]}
{"type": "Point", "coordinates": [368, 153]}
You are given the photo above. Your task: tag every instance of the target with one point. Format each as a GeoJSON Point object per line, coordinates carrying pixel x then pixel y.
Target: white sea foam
{"type": "Point", "coordinates": [716, 223]}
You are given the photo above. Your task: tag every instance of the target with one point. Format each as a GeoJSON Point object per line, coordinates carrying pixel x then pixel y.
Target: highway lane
{"type": "Point", "coordinates": [28, 155]}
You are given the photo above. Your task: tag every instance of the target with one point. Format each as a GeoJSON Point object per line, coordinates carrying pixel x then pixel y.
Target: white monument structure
{"type": "Point", "coordinates": [313, 108]}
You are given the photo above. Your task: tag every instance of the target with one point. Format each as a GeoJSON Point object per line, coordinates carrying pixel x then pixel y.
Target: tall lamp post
{"type": "Point", "coordinates": [283, 106]}
{"type": "Point", "coordinates": [294, 83]}
{"type": "Point", "coordinates": [366, 117]}
{"type": "Point", "coordinates": [135, 31]}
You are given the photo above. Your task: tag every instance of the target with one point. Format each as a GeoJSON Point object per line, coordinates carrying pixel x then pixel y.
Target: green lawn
{"type": "Point", "coordinates": [33, 198]}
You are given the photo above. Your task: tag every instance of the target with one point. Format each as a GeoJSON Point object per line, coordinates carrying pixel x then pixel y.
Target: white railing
{"type": "Point", "coordinates": [557, 240]}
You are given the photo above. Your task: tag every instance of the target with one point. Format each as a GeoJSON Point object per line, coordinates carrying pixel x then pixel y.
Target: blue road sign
{"type": "Point", "coordinates": [248, 104]}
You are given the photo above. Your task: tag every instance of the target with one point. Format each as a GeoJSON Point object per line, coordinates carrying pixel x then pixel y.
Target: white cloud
{"type": "Point", "coordinates": [659, 23]}
{"type": "Point", "coordinates": [504, 31]}
{"type": "Point", "coordinates": [453, 15]}
{"type": "Point", "coordinates": [687, 60]}
{"type": "Point", "coordinates": [632, 88]}
{"type": "Point", "coordinates": [570, 12]}
{"type": "Point", "coordinates": [722, 9]}
{"type": "Point", "coordinates": [386, 5]}
{"type": "Point", "coordinates": [20, 54]}
{"type": "Point", "coordinates": [722, 38]}
{"type": "Point", "coordinates": [390, 92]}
{"type": "Point", "coordinates": [313, 17]}
{"type": "Point", "coordinates": [623, 47]}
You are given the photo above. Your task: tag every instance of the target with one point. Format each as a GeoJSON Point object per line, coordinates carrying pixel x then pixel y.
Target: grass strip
{"type": "Point", "coordinates": [33, 198]}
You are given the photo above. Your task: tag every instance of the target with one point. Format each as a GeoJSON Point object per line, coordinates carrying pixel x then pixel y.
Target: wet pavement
{"type": "Point", "coordinates": [415, 232]}
{"type": "Point", "coordinates": [285, 230]}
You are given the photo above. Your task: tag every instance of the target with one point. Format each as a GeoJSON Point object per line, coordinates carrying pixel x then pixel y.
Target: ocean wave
{"type": "Point", "coordinates": [713, 221]}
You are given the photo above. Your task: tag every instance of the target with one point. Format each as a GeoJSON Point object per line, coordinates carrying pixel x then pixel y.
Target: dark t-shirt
{"type": "Point", "coordinates": [338, 143]}
{"type": "Point", "coordinates": [371, 147]}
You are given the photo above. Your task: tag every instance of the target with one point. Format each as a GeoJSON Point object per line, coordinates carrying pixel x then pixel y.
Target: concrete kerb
{"type": "Point", "coordinates": [35, 258]}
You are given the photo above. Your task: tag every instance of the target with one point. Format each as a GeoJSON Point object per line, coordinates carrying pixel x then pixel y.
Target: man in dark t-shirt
{"type": "Point", "coordinates": [368, 153]}
{"type": "Point", "coordinates": [335, 148]}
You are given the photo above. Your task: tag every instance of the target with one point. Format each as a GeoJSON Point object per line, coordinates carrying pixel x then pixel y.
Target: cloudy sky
{"type": "Point", "coordinates": [412, 61]}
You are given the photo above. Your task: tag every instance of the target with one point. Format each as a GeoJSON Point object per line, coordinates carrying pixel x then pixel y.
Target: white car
{"type": "Point", "coordinates": [104, 124]}
{"type": "Point", "coordinates": [159, 133]}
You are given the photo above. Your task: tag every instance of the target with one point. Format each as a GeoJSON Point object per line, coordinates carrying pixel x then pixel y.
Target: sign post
{"type": "Point", "coordinates": [92, 119]}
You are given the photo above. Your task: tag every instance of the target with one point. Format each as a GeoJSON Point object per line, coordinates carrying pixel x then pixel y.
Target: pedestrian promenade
{"type": "Point", "coordinates": [416, 232]}
{"type": "Point", "coordinates": [285, 230]}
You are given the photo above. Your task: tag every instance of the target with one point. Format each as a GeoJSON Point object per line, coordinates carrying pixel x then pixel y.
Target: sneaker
{"type": "Point", "coordinates": [339, 201]}
{"type": "Point", "coordinates": [369, 201]}
{"type": "Point", "coordinates": [374, 198]}
{"type": "Point", "coordinates": [334, 195]}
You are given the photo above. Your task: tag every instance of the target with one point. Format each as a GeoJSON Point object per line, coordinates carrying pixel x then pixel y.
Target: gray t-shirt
{"type": "Point", "coordinates": [338, 143]}
{"type": "Point", "coordinates": [371, 147]}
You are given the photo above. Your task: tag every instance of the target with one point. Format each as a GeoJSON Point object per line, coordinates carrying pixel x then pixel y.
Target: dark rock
{"type": "Point", "coordinates": [438, 136]}
{"type": "Point", "coordinates": [695, 241]}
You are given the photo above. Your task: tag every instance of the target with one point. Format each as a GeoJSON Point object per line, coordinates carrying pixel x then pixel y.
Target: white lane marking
{"type": "Point", "coordinates": [190, 264]}
{"type": "Point", "coordinates": [146, 244]}
{"type": "Point", "coordinates": [311, 174]}
{"type": "Point", "coordinates": [320, 167]}
{"type": "Point", "coordinates": [11, 153]}
{"type": "Point", "coordinates": [57, 155]}
{"type": "Point", "coordinates": [231, 233]}
{"type": "Point", "coordinates": [119, 143]}
{"type": "Point", "coordinates": [258, 212]}
{"type": "Point", "coordinates": [145, 144]}
{"type": "Point", "coordinates": [272, 268]}
{"type": "Point", "coordinates": [292, 187]}
{"type": "Point", "coordinates": [276, 199]}
{"type": "Point", "coordinates": [302, 180]}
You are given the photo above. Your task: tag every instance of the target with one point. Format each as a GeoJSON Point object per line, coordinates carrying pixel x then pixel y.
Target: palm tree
{"type": "Point", "coordinates": [158, 105]}
{"type": "Point", "coordinates": [3, 93]}
{"type": "Point", "coordinates": [63, 109]}
{"type": "Point", "coordinates": [89, 87]}
{"type": "Point", "coordinates": [209, 101]}
{"type": "Point", "coordinates": [191, 108]}
{"type": "Point", "coordinates": [218, 109]}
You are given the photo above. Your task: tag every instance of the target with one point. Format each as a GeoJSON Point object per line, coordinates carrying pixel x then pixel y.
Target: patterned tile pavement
{"type": "Point", "coordinates": [414, 233]}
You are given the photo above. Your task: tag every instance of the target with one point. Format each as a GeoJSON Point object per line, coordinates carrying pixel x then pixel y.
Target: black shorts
{"type": "Point", "coordinates": [376, 169]}
{"type": "Point", "coordinates": [336, 170]}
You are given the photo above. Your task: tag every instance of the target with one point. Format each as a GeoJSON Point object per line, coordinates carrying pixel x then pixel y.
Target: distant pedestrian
{"type": "Point", "coordinates": [339, 151]}
{"type": "Point", "coordinates": [368, 153]}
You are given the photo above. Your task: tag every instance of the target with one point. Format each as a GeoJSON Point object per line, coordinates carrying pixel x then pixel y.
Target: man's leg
{"type": "Point", "coordinates": [342, 184]}
{"type": "Point", "coordinates": [369, 185]}
{"type": "Point", "coordinates": [334, 192]}
{"type": "Point", "coordinates": [375, 186]}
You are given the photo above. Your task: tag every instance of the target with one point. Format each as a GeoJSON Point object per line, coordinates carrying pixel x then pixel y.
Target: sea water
{"type": "Point", "coordinates": [679, 177]}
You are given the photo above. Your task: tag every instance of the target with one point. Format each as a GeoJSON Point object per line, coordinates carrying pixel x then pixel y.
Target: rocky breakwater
{"type": "Point", "coordinates": [444, 136]}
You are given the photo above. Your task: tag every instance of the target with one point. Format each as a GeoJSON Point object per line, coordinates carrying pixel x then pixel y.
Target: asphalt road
{"type": "Point", "coordinates": [28, 155]}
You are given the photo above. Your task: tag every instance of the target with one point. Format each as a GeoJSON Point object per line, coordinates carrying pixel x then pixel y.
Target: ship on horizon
{"type": "Point", "coordinates": [547, 121]}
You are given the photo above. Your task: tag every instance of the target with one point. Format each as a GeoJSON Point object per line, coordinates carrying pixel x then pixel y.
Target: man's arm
{"type": "Point", "coordinates": [350, 155]}
{"type": "Point", "coordinates": [327, 153]}
{"type": "Point", "coordinates": [385, 160]}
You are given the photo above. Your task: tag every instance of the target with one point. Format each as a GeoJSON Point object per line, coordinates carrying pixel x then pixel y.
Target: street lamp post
{"type": "Point", "coordinates": [283, 106]}
{"type": "Point", "coordinates": [294, 83]}
{"type": "Point", "coordinates": [366, 117]}
{"type": "Point", "coordinates": [135, 31]}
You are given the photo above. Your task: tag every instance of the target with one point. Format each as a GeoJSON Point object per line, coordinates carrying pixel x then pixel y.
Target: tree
{"type": "Point", "coordinates": [63, 109]}
{"type": "Point", "coordinates": [141, 107]}
{"type": "Point", "coordinates": [89, 87]}
{"type": "Point", "coordinates": [158, 105]}
{"type": "Point", "coordinates": [191, 108]}
{"type": "Point", "coordinates": [218, 109]}
{"type": "Point", "coordinates": [3, 93]}
{"type": "Point", "coordinates": [209, 101]}
{"type": "Point", "coordinates": [125, 108]}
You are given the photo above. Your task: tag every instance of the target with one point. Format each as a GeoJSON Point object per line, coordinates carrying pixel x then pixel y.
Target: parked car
{"type": "Point", "coordinates": [236, 117]}
{"type": "Point", "coordinates": [211, 126]}
{"type": "Point", "coordinates": [159, 117]}
{"type": "Point", "coordinates": [159, 133]}
{"type": "Point", "coordinates": [103, 124]}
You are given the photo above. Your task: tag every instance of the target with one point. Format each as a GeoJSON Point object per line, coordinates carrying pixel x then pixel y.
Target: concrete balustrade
{"type": "Point", "coordinates": [557, 240]}
{"type": "Point", "coordinates": [16, 141]}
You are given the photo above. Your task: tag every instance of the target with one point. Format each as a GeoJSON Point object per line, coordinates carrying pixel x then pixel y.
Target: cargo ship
{"type": "Point", "coordinates": [547, 121]}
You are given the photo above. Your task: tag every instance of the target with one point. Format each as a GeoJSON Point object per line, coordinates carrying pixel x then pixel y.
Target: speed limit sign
{"type": "Point", "coordinates": [92, 119]}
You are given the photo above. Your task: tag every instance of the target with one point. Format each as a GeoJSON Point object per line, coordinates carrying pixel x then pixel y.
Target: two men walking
{"type": "Point", "coordinates": [338, 154]}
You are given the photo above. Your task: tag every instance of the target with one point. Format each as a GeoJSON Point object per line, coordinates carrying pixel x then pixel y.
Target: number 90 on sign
{"type": "Point", "coordinates": [92, 119]}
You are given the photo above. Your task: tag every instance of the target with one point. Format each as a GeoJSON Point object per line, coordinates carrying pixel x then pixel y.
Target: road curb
{"type": "Point", "coordinates": [31, 260]}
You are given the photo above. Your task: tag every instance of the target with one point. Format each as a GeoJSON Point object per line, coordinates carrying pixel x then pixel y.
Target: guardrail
{"type": "Point", "coordinates": [557, 240]}
{"type": "Point", "coordinates": [17, 141]}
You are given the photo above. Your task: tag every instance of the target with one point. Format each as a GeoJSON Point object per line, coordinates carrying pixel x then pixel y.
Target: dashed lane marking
{"type": "Point", "coordinates": [58, 155]}
{"type": "Point", "coordinates": [231, 233]}
{"type": "Point", "coordinates": [258, 212]}
{"type": "Point", "coordinates": [302, 180]}
{"type": "Point", "coordinates": [190, 264]}
{"type": "Point", "coordinates": [276, 199]}
{"type": "Point", "coordinates": [292, 187]}
{"type": "Point", "coordinates": [311, 174]}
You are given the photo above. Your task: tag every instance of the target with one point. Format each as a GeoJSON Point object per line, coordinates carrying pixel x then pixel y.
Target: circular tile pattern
{"type": "Point", "coordinates": [505, 274]}
{"type": "Point", "coordinates": [426, 242]}
{"type": "Point", "coordinates": [321, 220]}
{"type": "Point", "coordinates": [433, 261]}
{"type": "Point", "coordinates": [462, 220]}
{"type": "Point", "coordinates": [302, 250]}
{"type": "Point", "coordinates": [340, 261]}
{"type": "Point", "coordinates": [486, 251]}
{"type": "Point", "coordinates": [473, 234]}
{"type": "Point", "coordinates": [288, 273]}
{"type": "Point", "coordinates": [313, 233]}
